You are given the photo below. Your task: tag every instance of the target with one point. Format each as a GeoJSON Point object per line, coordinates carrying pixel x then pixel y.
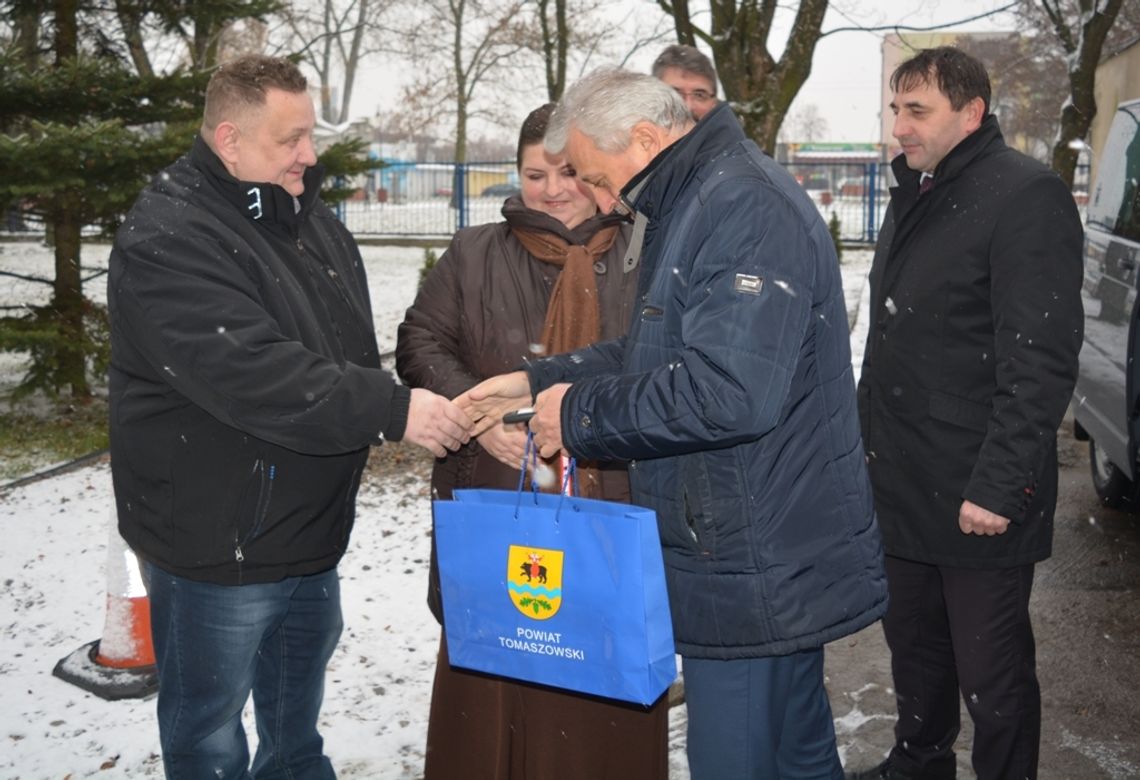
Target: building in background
{"type": "Point", "coordinates": [1117, 80]}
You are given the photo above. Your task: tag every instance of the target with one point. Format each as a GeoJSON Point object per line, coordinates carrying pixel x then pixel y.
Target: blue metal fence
{"type": "Point", "coordinates": [853, 193]}
{"type": "Point", "coordinates": [436, 199]}
{"type": "Point", "coordinates": [429, 199]}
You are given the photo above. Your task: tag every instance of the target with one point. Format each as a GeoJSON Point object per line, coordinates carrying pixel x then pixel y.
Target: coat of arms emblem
{"type": "Point", "coordinates": [534, 580]}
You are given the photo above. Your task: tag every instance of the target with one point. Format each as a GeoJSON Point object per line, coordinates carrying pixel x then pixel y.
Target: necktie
{"type": "Point", "coordinates": [926, 185]}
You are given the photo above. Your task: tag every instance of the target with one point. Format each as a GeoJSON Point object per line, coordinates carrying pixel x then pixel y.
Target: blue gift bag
{"type": "Point", "coordinates": [557, 590]}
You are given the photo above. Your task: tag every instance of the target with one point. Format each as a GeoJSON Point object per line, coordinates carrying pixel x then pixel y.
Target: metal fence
{"type": "Point", "coordinates": [436, 199]}
{"type": "Point", "coordinates": [429, 199]}
{"type": "Point", "coordinates": [854, 194]}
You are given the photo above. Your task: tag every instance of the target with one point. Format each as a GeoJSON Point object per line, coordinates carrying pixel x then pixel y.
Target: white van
{"type": "Point", "coordinates": [1106, 401]}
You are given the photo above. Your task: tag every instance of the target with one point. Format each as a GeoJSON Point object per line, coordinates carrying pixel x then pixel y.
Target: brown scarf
{"type": "Point", "coordinates": [572, 319]}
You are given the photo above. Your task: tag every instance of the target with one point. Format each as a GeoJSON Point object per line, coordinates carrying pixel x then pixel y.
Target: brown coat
{"type": "Point", "coordinates": [478, 314]}
{"type": "Point", "coordinates": [481, 311]}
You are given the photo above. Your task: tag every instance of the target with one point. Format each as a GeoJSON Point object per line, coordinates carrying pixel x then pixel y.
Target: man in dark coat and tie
{"type": "Point", "coordinates": [970, 362]}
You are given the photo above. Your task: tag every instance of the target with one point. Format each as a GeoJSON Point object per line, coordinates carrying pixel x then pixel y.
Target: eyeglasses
{"type": "Point", "coordinates": [698, 95]}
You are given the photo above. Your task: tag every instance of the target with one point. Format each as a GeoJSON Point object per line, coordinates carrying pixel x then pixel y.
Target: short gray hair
{"type": "Point", "coordinates": [687, 58]}
{"type": "Point", "coordinates": [605, 105]}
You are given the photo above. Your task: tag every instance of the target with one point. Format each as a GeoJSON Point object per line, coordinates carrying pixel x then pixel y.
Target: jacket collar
{"type": "Point", "coordinates": [258, 201]}
{"type": "Point", "coordinates": [959, 158]}
{"type": "Point", "coordinates": [654, 191]}
{"type": "Point", "coordinates": [519, 216]}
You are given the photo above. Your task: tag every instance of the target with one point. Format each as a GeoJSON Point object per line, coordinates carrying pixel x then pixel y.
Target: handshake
{"type": "Point", "coordinates": [439, 425]}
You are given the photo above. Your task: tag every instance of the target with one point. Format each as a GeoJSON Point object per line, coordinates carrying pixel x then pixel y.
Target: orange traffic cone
{"type": "Point", "coordinates": [120, 665]}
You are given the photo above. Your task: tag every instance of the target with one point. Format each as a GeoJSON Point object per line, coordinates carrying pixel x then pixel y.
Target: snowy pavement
{"type": "Point", "coordinates": [379, 682]}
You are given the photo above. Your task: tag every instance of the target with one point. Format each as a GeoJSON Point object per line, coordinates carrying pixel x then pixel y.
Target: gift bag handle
{"type": "Point", "coordinates": [569, 484]}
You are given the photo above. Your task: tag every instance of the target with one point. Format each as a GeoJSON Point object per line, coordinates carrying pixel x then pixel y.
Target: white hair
{"type": "Point", "coordinates": [605, 105]}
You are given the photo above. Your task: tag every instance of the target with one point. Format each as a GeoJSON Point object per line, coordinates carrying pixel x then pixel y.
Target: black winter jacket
{"type": "Point", "coordinates": [971, 354]}
{"type": "Point", "coordinates": [245, 384]}
{"type": "Point", "coordinates": [734, 393]}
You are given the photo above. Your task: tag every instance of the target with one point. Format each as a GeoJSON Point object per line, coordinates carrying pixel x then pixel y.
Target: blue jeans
{"type": "Point", "coordinates": [760, 719]}
{"type": "Point", "coordinates": [214, 645]}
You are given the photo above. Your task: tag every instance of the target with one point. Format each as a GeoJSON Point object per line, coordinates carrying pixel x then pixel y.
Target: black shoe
{"type": "Point", "coordinates": [880, 772]}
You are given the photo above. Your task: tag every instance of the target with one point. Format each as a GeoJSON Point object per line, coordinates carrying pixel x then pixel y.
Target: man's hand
{"type": "Point", "coordinates": [487, 402]}
{"type": "Point", "coordinates": [972, 519]}
{"type": "Point", "coordinates": [547, 421]}
{"type": "Point", "coordinates": [505, 443]}
{"type": "Point", "coordinates": [435, 423]}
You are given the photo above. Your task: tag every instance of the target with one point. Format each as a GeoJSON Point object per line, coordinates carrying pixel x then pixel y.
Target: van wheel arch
{"type": "Point", "coordinates": [1112, 485]}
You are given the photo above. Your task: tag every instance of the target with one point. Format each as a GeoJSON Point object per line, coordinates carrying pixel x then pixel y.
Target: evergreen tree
{"type": "Point", "coordinates": [82, 132]}
{"type": "Point", "coordinates": [85, 121]}
{"type": "Point", "coordinates": [80, 140]}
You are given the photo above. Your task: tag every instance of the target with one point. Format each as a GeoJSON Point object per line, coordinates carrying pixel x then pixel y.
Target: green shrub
{"type": "Point", "coordinates": [430, 259]}
{"type": "Point", "coordinates": [833, 229]}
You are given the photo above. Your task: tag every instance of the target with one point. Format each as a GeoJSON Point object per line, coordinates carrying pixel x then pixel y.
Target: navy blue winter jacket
{"type": "Point", "coordinates": [733, 397]}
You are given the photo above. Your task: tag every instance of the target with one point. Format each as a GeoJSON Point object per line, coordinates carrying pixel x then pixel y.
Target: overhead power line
{"type": "Point", "coordinates": [897, 27]}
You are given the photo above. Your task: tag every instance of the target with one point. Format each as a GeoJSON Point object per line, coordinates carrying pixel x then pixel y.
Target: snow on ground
{"type": "Point", "coordinates": [379, 682]}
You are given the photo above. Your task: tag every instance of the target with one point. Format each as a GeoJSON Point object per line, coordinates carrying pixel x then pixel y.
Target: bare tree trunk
{"type": "Point", "coordinates": [325, 68]}
{"type": "Point", "coordinates": [547, 49]}
{"type": "Point", "coordinates": [563, 28]}
{"type": "Point", "coordinates": [760, 88]}
{"type": "Point", "coordinates": [1097, 18]}
{"type": "Point", "coordinates": [131, 21]}
{"type": "Point", "coordinates": [458, 7]}
{"type": "Point", "coordinates": [333, 38]}
{"type": "Point", "coordinates": [66, 30]}
{"type": "Point", "coordinates": [555, 42]}
{"type": "Point", "coordinates": [67, 302]}
{"type": "Point", "coordinates": [683, 22]}
{"type": "Point", "coordinates": [67, 289]}
{"type": "Point", "coordinates": [353, 59]}
{"type": "Point", "coordinates": [461, 130]}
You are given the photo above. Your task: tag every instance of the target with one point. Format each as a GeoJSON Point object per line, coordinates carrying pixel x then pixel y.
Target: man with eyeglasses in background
{"type": "Point", "coordinates": [692, 74]}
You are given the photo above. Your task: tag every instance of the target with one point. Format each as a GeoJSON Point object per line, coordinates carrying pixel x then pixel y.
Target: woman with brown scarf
{"type": "Point", "coordinates": [553, 277]}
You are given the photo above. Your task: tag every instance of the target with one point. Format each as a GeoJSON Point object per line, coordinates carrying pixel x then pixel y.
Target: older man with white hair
{"type": "Point", "coordinates": [732, 398]}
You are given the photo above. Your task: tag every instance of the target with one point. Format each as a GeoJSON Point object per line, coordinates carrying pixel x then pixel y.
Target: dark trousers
{"type": "Point", "coordinates": [217, 644]}
{"type": "Point", "coordinates": [760, 719]}
{"type": "Point", "coordinates": [951, 631]}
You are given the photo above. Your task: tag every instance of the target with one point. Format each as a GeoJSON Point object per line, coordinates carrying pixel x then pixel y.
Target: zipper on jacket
{"type": "Point", "coordinates": [265, 493]}
{"type": "Point", "coordinates": [690, 520]}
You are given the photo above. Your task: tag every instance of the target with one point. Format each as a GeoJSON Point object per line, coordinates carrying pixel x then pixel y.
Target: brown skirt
{"type": "Point", "coordinates": [483, 727]}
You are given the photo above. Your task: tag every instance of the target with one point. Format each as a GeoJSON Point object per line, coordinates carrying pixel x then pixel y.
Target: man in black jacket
{"type": "Point", "coordinates": [970, 362]}
{"type": "Point", "coordinates": [245, 391]}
